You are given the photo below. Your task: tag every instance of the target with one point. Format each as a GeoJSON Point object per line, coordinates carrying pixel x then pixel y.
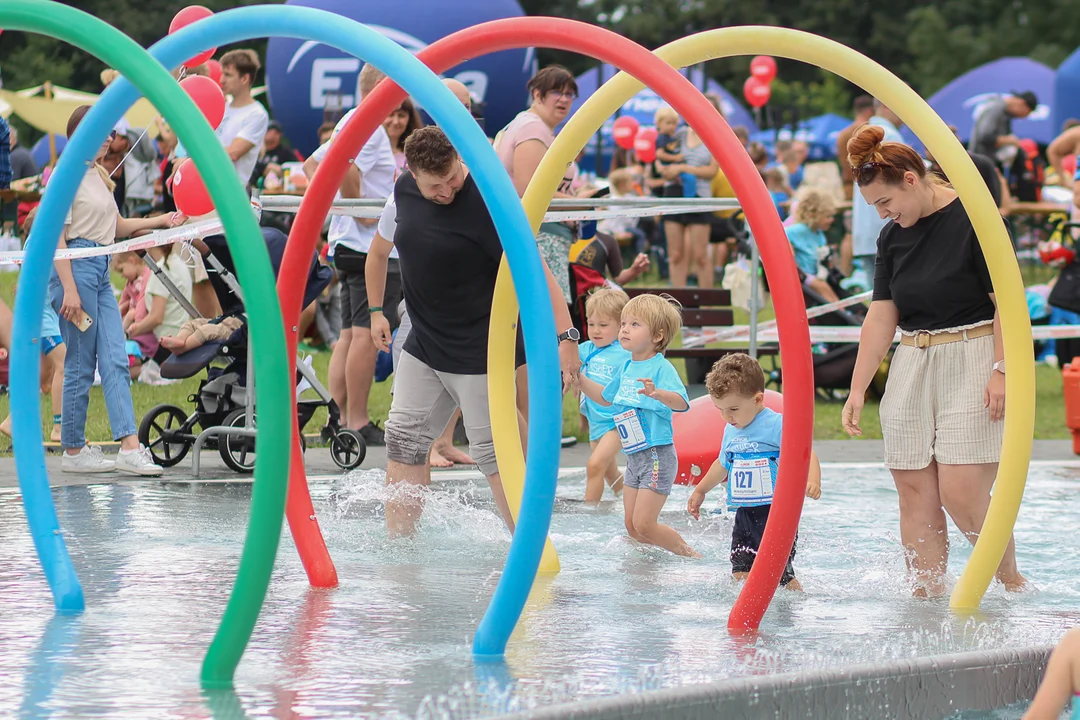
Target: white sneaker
{"type": "Point", "coordinates": [137, 462]}
{"type": "Point", "coordinates": [150, 374]}
{"type": "Point", "coordinates": [89, 460]}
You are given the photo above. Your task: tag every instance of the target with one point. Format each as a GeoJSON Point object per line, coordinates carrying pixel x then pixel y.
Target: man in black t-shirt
{"type": "Point", "coordinates": [449, 257]}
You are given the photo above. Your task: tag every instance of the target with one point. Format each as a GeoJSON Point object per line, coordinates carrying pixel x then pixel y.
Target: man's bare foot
{"type": "Point", "coordinates": [1016, 583]}
{"type": "Point", "coordinates": [452, 454]}
{"type": "Point", "coordinates": [794, 586]}
{"type": "Point", "coordinates": [929, 588]}
{"type": "Point", "coordinates": [436, 459]}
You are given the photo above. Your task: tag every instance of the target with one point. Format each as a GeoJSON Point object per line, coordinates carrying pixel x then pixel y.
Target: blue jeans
{"type": "Point", "coordinates": [101, 347]}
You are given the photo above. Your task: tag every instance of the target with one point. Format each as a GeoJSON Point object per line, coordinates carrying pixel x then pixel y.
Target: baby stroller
{"type": "Point", "coordinates": [224, 407]}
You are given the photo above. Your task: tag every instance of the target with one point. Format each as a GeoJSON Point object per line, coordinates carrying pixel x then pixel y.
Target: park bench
{"type": "Point", "coordinates": [701, 308]}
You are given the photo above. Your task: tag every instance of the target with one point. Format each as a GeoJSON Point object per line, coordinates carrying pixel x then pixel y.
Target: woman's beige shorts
{"type": "Point", "coordinates": [933, 406]}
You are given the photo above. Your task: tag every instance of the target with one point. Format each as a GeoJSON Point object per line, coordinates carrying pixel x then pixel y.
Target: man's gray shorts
{"type": "Point", "coordinates": [424, 400]}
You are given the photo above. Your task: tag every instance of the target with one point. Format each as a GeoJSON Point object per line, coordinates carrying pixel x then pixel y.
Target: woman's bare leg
{"type": "Point", "coordinates": [965, 493]}
{"type": "Point", "coordinates": [678, 253]}
{"type": "Point", "coordinates": [698, 241]}
{"type": "Point", "coordinates": [922, 528]}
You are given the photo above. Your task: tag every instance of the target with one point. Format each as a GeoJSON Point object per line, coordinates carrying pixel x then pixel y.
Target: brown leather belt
{"type": "Point", "coordinates": [925, 339]}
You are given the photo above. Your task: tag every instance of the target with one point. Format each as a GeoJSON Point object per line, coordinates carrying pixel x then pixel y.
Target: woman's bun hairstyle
{"type": "Point", "coordinates": [865, 145]}
{"type": "Point", "coordinates": [871, 158]}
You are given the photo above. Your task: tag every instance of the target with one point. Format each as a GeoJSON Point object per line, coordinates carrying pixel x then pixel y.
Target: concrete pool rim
{"type": "Point", "coordinates": [924, 688]}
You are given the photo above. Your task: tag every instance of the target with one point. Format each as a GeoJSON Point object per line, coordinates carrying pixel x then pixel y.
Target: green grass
{"type": "Point", "coordinates": [1049, 423]}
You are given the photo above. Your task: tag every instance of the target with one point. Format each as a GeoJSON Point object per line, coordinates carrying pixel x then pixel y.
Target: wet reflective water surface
{"type": "Point", "coordinates": [393, 640]}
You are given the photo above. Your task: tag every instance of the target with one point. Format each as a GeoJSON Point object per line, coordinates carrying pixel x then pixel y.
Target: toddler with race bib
{"type": "Point", "coordinates": [643, 394]}
{"type": "Point", "coordinates": [602, 357]}
{"type": "Point", "coordinates": [748, 460]}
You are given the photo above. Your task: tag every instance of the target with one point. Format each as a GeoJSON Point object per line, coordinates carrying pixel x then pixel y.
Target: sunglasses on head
{"type": "Point", "coordinates": [857, 171]}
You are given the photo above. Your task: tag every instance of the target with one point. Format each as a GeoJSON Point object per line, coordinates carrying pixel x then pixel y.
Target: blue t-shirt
{"type": "Point", "coordinates": [794, 179]}
{"type": "Point", "coordinates": [50, 322]}
{"type": "Point", "coordinates": [780, 197]}
{"type": "Point", "coordinates": [600, 365]}
{"type": "Point", "coordinates": [654, 416]}
{"type": "Point", "coordinates": [754, 449]}
{"type": "Point", "coordinates": [806, 243]}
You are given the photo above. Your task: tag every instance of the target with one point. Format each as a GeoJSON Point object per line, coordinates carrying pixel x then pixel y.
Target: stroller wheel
{"type": "Point", "coordinates": [237, 452]}
{"type": "Point", "coordinates": [348, 449]}
{"type": "Point", "coordinates": [161, 432]}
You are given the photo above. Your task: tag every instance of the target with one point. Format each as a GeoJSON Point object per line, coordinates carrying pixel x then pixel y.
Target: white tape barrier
{"type": "Point", "coordinates": [850, 334]}
{"type": "Point", "coordinates": [742, 332]}
{"type": "Point", "coordinates": [644, 207]}
{"type": "Point", "coordinates": [184, 233]}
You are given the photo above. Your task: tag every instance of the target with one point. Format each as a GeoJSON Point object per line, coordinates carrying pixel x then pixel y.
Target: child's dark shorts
{"type": "Point", "coordinates": [746, 539]}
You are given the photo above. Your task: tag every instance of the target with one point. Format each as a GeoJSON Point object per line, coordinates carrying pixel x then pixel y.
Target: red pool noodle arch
{"type": "Point", "coordinates": [792, 325]}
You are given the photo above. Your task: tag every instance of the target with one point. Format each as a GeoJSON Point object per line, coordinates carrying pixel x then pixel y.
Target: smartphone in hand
{"type": "Point", "coordinates": [82, 321]}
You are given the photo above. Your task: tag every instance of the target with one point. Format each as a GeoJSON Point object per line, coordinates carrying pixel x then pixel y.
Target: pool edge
{"type": "Point", "coordinates": [925, 688]}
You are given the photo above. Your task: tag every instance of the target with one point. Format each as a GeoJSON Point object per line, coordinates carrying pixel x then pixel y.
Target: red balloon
{"type": "Point", "coordinates": [624, 131]}
{"type": "Point", "coordinates": [213, 70]}
{"type": "Point", "coordinates": [645, 145]}
{"type": "Point", "coordinates": [756, 92]}
{"type": "Point", "coordinates": [189, 191]}
{"type": "Point", "coordinates": [185, 17]}
{"type": "Point", "coordinates": [698, 433]}
{"type": "Point", "coordinates": [207, 96]}
{"type": "Point", "coordinates": [763, 68]}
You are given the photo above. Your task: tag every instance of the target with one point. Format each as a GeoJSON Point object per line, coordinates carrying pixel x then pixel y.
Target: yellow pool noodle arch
{"type": "Point", "coordinates": [954, 160]}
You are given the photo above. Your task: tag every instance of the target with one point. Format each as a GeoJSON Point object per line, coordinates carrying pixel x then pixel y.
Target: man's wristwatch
{"type": "Point", "coordinates": [572, 335]}
{"type": "Point", "coordinates": [1000, 366]}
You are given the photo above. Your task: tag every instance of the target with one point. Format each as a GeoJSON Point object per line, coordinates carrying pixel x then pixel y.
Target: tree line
{"type": "Point", "coordinates": [926, 42]}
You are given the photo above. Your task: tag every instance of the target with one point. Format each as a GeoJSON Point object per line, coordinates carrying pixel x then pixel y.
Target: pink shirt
{"type": "Point", "coordinates": [528, 126]}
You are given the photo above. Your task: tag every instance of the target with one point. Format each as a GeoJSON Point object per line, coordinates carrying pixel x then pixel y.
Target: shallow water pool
{"type": "Point", "coordinates": [157, 561]}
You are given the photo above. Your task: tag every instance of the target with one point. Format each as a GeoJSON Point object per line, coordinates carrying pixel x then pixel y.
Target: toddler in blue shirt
{"type": "Point", "coordinates": [643, 394]}
{"type": "Point", "coordinates": [748, 460]}
{"type": "Point", "coordinates": [601, 358]}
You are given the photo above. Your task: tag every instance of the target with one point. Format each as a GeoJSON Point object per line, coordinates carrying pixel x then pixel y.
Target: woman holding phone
{"type": "Point", "coordinates": [91, 326]}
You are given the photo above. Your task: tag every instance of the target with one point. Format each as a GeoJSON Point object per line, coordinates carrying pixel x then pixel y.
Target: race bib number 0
{"type": "Point", "coordinates": [751, 479]}
{"type": "Point", "coordinates": [631, 433]}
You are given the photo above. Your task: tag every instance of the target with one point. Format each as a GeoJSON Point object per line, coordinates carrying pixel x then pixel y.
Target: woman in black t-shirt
{"type": "Point", "coordinates": [941, 417]}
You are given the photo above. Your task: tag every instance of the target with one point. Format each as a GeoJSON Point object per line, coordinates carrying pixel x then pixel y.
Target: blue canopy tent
{"type": "Point", "coordinates": [642, 107]}
{"type": "Point", "coordinates": [1067, 91]}
{"type": "Point", "coordinates": [40, 151]}
{"type": "Point", "coordinates": [819, 133]}
{"type": "Point", "coordinates": [958, 102]}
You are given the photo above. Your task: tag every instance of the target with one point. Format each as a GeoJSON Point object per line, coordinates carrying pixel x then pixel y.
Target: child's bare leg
{"type": "Point", "coordinates": [629, 500]}
{"type": "Point", "coordinates": [646, 513]}
{"type": "Point", "coordinates": [614, 476]}
{"type": "Point", "coordinates": [604, 451]}
{"type": "Point", "coordinates": [182, 341]}
{"type": "Point", "coordinates": [443, 453]}
{"type": "Point", "coordinates": [56, 358]}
